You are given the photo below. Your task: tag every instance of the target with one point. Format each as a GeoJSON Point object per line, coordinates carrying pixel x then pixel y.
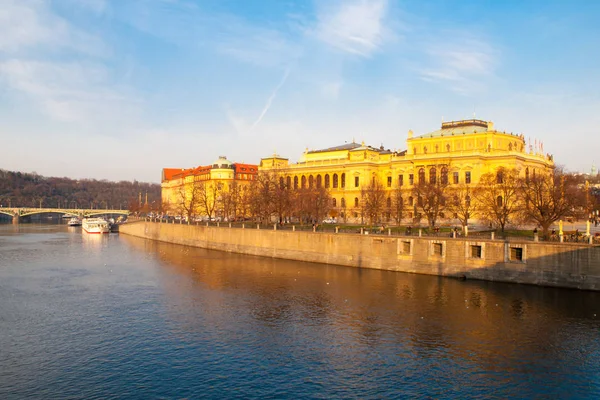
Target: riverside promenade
{"type": "Point", "coordinates": [566, 265]}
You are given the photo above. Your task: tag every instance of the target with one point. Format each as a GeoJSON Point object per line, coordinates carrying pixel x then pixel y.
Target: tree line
{"type": "Point", "coordinates": [264, 199]}
{"type": "Point", "coordinates": [500, 199]}
{"type": "Point", "coordinates": [19, 189]}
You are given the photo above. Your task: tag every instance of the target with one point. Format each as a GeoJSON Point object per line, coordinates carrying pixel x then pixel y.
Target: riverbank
{"type": "Point", "coordinates": [567, 265]}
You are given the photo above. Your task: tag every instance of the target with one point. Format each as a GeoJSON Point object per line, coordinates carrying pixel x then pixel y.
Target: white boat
{"type": "Point", "coordinates": [74, 222]}
{"type": "Point", "coordinates": [95, 225]}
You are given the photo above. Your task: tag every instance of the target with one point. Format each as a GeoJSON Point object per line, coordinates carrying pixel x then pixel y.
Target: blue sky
{"type": "Point", "coordinates": [118, 89]}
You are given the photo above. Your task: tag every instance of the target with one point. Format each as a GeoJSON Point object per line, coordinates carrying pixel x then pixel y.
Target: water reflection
{"type": "Point", "coordinates": [92, 243]}
{"type": "Point", "coordinates": [93, 316]}
{"type": "Point", "coordinates": [487, 324]}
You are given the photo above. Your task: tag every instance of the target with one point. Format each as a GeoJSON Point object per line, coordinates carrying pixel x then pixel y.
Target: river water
{"type": "Point", "coordinates": [89, 316]}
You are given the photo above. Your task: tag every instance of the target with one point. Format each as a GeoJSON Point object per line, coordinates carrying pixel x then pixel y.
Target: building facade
{"type": "Point", "coordinates": [459, 152]}
{"type": "Point", "coordinates": [200, 190]}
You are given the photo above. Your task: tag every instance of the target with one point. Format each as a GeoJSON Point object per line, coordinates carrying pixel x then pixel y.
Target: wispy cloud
{"type": "Point", "coordinates": [462, 65]}
{"type": "Point", "coordinates": [28, 24]}
{"type": "Point", "coordinates": [189, 26]}
{"type": "Point", "coordinates": [59, 68]}
{"type": "Point", "coordinates": [355, 27]}
{"type": "Point", "coordinates": [68, 92]}
{"type": "Point", "coordinates": [97, 6]}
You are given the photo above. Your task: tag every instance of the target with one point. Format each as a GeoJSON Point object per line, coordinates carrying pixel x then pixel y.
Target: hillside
{"type": "Point", "coordinates": [18, 189]}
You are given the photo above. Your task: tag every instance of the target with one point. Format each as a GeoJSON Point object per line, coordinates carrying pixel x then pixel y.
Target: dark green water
{"type": "Point", "coordinates": [89, 316]}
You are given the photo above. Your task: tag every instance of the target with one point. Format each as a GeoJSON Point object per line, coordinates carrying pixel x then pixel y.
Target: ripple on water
{"type": "Point", "coordinates": [119, 317]}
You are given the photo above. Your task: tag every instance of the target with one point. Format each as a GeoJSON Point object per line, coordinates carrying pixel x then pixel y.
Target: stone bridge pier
{"type": "Point", "coordinates": [15, 219]}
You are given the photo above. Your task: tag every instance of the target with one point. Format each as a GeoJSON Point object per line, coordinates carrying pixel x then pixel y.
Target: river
{"type": "Point", "coordinates": [97, 317]}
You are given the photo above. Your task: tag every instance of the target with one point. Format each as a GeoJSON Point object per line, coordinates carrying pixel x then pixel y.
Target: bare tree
{"type": "Point", "coordinates": [311, 204]}
{"type": "Point", "coordinates": [497, 197]}
{"type": "Point", "coordinates": [549, 197]}
{"type": "Point", "coordinates": [430, 199]}
{"type": "Point", "coordinates": [282, 197]}
{"type": "Point", "coordinates": [243, 204]}
{"type": "Point", "coordinates": [321, 203]}
{"type": "Point", "coordinates": [398, 205]}
{"type": "Point", "coordinates": [231, 201]}
{"type": "Point", "coordinates": [189, 199]}
{"type": "Point", "coordinates": [460, 203]}
{"type": "Point", "coordinates": [373, 198]}
{"type": "Point", "coordinates": [261, 196]}
{"type": "Point", "coordinates": [208, 195]}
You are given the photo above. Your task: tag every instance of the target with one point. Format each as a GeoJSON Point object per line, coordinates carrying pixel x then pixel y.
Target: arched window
{"type": "Point", "coordinates": [335, 181]}
{"type": "Point", "coordinates": [343, 183]}
{"type": "Point", "coordinates": [411, 201]}
{"type": "Point", "coordinates": [311, 181]}
{"type": "Point", "coordinates": [432, 175]}
{"type": "Point", "coordinates": [510, 147]}
{"type": "Point", "coordinates": [303, 182]}
{"type": "Point", "coordinates": [319, 181]}
{"type": "Point", "coordinates": [288, 182]}
{"type": "Point", "coordinates": [456, 201]}
{"type": "Point", "coordinates": [295, 182]}
{"type": "Point", "coordinates": [500, 177]}
{"type": "Point", "coordinates": [527, 174]}
{"type": "Point", "coordinates": [448, 147]}
{"type": "Point", "coordinates": [468, 201]}
{"type": "Point", "coordinates": [326, 181]}
{"type": "Point", "coordinates": [389, 202]}
{"type": "Point", "coordinates": [334, 202]}
{"type": "Point", "coordinates": [444, 176]}
{"type": "Point", "coordinates": [356, 202]}
{"type": "Point", "coordinates": [343, 203]}
{"type": "Point", "coordinates": [499, 201]}
{"type": "Point", "coordinates": [422, 175]}
{"type": "Point", "coordinates": [281, 182]}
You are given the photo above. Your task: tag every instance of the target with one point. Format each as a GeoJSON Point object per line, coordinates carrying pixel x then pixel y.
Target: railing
{"type": "Point", "coordinates": [389, 231]}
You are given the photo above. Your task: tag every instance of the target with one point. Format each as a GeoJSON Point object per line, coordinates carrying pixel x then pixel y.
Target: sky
{"type": "Point", "coordinates": [119, 89]}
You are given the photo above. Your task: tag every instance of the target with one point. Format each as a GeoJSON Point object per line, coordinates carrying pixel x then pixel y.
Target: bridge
{"type": "Point", "coordinates": [17, 212]}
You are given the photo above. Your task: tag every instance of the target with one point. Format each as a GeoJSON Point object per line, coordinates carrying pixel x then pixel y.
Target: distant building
{"type": "Point", "coordinates": [215, 180]}
{"type": "Point", "coordinates": [459, 153]}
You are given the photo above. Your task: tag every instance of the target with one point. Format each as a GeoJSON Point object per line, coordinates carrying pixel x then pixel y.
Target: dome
{"type": "Point", "coordinates": [222, 163]}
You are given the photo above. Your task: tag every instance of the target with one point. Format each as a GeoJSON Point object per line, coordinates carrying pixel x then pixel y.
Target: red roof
{"type": "Point", "coordinates": [177, 173]}
{"type": "Point", "coordinates": [169, 173]}
{"type": "Point", "coordinates": [246, 168]}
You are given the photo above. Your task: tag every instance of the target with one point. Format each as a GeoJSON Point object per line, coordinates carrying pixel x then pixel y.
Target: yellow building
{"type": "Point", "coordinates": [460, 152]}
{"type": "Point", "coordinates": [200, 188]}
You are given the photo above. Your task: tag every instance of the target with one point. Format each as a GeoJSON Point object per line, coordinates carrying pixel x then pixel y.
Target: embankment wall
{"type": "Point", "coordinates": [567, 265]}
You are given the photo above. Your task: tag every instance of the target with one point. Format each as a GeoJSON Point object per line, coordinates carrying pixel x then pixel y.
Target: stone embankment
{"type": "Point", "coordinates": [568, 265]}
